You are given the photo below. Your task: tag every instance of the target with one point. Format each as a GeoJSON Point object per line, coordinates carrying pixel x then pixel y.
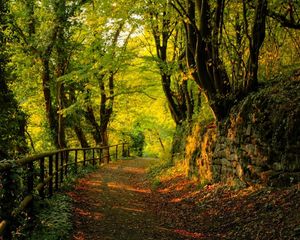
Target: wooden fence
{"type": "Point", "coordinates": [42, 175]}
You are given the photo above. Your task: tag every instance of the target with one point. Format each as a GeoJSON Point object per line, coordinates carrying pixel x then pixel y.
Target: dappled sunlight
{"type": "Point", "coordinates": [184, 233]}
{"type": "Point", "coordinates": [176, 200]}
{"type": "Point", "coordinates": [121, 186]}
{"type": "Point", "coordinates": [178, 184]}
{"type": "Point", "coordinates": [87, 214]}
{"type": "Point", "coordinates": [192, 141]}
{"type": "Point", "coordinates": [96, 190]}
{"type": "Point", "coordinates": [172, 172]}
{"type": "Point", "coordinates": [79, 236]}
{"type": "Point", "coordinates": [194, 235]}
{"type": "Point", "coordinates": [89, 182]}
{"type": "Point", "coordinates": [205, 159]}
{"type": "Point", "coordinates": [179, 209]}
{"type": "Point", "coordinates": [113, 166]}
{"type": "Point", "coordinates": [134, 170]}
{"type": "Point", "coordinates": [82, 212]}
{"type": "Point", "coordinates": [129, 209]}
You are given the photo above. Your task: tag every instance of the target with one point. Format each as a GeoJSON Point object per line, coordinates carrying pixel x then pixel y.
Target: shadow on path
{"type": "Point", "coordinates": [113, 203]}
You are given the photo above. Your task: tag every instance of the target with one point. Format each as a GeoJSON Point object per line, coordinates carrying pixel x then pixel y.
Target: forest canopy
{"type": "Point", "coordinates": [89, 72]}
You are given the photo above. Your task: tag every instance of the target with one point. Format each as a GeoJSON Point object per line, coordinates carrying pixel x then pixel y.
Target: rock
{"type": "Point", "coordinates": [260, 140]}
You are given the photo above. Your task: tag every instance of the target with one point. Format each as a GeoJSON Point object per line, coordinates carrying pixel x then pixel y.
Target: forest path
{"type": "Point", "coordinates": [116, 202]}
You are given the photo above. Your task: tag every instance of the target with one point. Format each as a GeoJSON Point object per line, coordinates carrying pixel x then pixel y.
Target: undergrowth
{"type": "Point", "coordinates": [53, 216]}
{"type": "Point", "coordinates": [157, 170]}
{"type": "Point", "coordinates": [54, 220]}
{"type": "Point", "coordinates": [164, 170]}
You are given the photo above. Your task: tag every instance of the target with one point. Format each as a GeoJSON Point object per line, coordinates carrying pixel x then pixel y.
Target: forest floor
{"type": "Point", "coordinates": [118, 202]}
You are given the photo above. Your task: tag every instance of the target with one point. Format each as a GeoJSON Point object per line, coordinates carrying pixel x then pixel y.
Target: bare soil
{"type": "Point", "coordinates": [117, 202]}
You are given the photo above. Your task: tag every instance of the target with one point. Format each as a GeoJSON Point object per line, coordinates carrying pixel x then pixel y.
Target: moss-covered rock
{"type": "Point", "coordinates": [258, 143]}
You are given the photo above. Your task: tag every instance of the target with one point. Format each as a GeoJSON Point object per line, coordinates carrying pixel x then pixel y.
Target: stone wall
{"type": "Point", "coordinates": [258, 143]}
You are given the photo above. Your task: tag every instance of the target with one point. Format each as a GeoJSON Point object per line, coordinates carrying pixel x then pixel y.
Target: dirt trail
{"type": "Point", "coordinates": [112, 204]}
{"type": "Point", "coordinates": [116, 203]}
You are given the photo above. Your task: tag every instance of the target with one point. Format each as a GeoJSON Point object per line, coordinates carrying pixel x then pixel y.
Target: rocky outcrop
{"type": "Point", "coordinates": [258, 143]}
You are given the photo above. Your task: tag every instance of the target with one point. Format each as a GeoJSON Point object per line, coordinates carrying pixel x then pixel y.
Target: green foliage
{"type": "Point", "coordinates": [52, 216]}
{"type": "Point", "coordinates": [138, 142]}
{"type": "Point", "coordinates": [12, 127]}
{"type": "Point", "coordinates": [53, 219]}
{"type": "Point", "coordinates": [156, 183]}
{"type": "Point", "coordinates": [13, 120]}
{"type": "Point", "coordinates": [158, 169]}
{"type": "Point", "coordinates": [81, 172]}
{"type": "Point", "coordinates": [138, 95]}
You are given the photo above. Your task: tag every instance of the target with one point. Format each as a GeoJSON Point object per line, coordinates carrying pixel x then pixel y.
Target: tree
{"type": "Point", "coordinates": [13, 120]}
{"type": "Point", "coordinates": [167, 36]}
{"type": "Point", "coordinates": [209, 27]}
{"type": "Point", "coordinates": [204, 33]}
{"type": "Point", "coordinates": [105, 52]}
{"type": "Point", "coordinates": [45, 36]}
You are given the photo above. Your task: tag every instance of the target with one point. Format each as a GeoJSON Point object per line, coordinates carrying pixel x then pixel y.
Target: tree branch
{"type": "Point", "coordinates": [285, 22]}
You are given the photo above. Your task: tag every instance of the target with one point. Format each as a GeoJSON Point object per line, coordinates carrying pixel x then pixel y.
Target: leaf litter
{"type": "Point", "coordinates": [117, 202]}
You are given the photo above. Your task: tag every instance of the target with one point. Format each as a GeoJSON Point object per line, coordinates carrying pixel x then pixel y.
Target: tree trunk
{"type": "Point", "coordinates": [256, 41]}
{"type": "Point", "coordinates": [60, 8]}
{"type": "Point", "coordinates": [106, 107]}
{"type": "Point", "coordinates": [60, 118]}
{"type": "Point", "coordinates": [81, 136]}
{"type": "Point", "coordinates": [203, 34]}
{"type": "Point", "coordinates": [76, 118]}
{"type": "Point", "coordinates": [96, 132]}
{"type": "Point", "coordinates": [50, 111]}
{"type": "Point", "coordinates": [177, 100]}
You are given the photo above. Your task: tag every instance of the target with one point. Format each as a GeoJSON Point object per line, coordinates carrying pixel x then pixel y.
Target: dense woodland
{"type": "Point", "coordinates": [86, 73]}
{"type": "Point", "coordinates": [208, 86]}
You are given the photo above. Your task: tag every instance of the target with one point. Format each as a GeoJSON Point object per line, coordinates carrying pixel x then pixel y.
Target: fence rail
{"type": "Point", "coordinates": [43, 174]}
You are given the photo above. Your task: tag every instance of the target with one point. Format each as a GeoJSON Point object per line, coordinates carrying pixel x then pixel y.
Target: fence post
{"type": "Point", "coordinates": [7, 203]}
{"type": "Point", "coordinates": [42, 176]}
{"type": "Point", "coordinates": [108, 154]}
{"type": "Point", "coordinates": [30, 184]}
{"type": "Point", "coordinates": [123, 150]}
{"type": "Point", "coordinates": [66, 154]}
{"type": "Point", "coordinates": [61, 167]}
{"type": "Point", "coordinates": [56, 171]}
{"type": "Point", "coordinates": [84, 157]}
{"type": "Point", "coordinates": [117, 152]}
{"type": "Point", "coordinates": [51, 175]}
{"type": "Point", "coordinates": [93, 157]}
{"type": "Point", "coordinates": [30, 177]}
{"type": "Point", "coordinates": [100, 156]}
{"type": "Point", "coordinates": [76, 160]}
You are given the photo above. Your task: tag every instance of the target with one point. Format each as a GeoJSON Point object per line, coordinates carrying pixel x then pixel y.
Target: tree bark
{"type": "Point", "coordinates": [61, 19]}
{"type": "Point", "coordinates": [256, 41]}
{"type": "Point", "coordinates": [50, 110]}
{"type": "Point", "coordinates": [81, 136]}
{"type": "Point", "coordinates": [203, 36]}
{"type": "Point", "coordinates": [106, 107]}
{"type": "Point", "coordinates": [177, 100]}
{"type": "Point", "coordinates": [96, 132]}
